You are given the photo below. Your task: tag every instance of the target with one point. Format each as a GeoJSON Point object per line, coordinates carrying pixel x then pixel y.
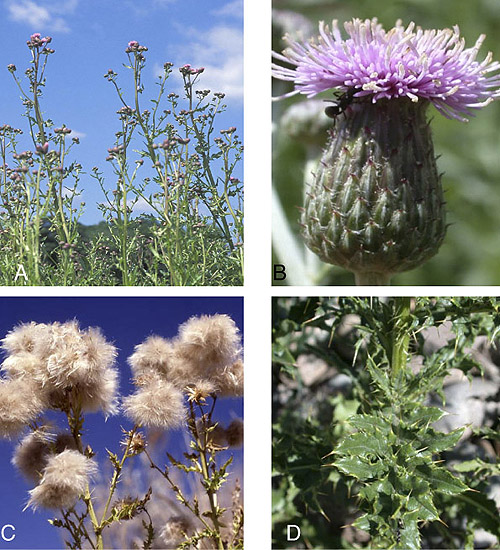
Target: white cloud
{"type": "Point", "coordinates": [220, 51]}
{"type": "Point", "coordinates": [50, 17]}
{"type": "Point", "coordinates": [231, 9]}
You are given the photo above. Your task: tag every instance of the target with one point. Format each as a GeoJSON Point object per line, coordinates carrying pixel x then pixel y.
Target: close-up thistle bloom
{"type": "Point", "coordinates": [375, 205]}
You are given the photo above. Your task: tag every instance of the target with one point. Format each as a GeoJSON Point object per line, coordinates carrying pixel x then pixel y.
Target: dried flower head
{"type": "Point", "coordinates": [154, 355]}
{"type": "Point", "coordinates": [64, 479]}
{"type": "Point", "coordinates": [409, 62]}
{"type": "Point", "coordinates": [207, 343]}
{"type": "Point", "coordinates": [24, 338]}
{"type": "Point", "coordinates": [21, 401]}
{"type": "Point", "coordinates": [234, 433]}
{"type": "Point", "coordinates": [229, 381]}
{"type": "Point", "coordinates": [135, 441]}
{"type": "Point", "coordinates": [32, 454]}
{"type": "Point", "coordinates": [159, 405]}
{"type": "Point", "coordinates": [24, 363]}
{"type": "Point", "coordinates": [199, 391]}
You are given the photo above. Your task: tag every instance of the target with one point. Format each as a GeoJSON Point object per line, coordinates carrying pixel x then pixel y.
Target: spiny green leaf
{"type": "Point", "coordinates": [425, 415]}
{"type": "Point", "coordinates": [424, 506]}
{"type": "Point", "coordinates": [356, 467]}
{"type": "Point", "coordinates": [441, 480]}
{"type": "Point", "coordinates": [437, 441]}
{"type": "Point", "coordinates": [363, 444]}
{"type": "Point", "coordinates": [409, 536]}
{"type": "Point", "coordinates": [369, 423]}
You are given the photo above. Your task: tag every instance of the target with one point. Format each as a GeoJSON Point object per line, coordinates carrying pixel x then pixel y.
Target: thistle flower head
{"type": "Point", "coordinates": [410, 62]}
{"type": "Point", "coordinates": [64, 479]}
{"type": "Point", "coordinates": [159, 404]}
{"type": "Point", "coordinates": [208, 342]}
{"type": "Point", "coordinates": [21, 401]}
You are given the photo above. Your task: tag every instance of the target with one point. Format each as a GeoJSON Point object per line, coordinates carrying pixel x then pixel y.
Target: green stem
{"type": "Point", "coordinates": [372, 279]}
{"type": "Point", "coordinates": [400, 335]}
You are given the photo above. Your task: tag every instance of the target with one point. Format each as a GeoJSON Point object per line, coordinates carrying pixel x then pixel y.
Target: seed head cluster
{"type": "Point", "coordinates": [203, 360]}
{"type": "Point", "coordinates": [55, 366]}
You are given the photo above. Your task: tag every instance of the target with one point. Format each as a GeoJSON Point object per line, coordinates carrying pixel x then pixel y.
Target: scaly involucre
{"type": "Point", "coordinates": [158, 404]}
{"type": "Point", "coordinates": [407, 62]}
{"type": "Point", "coordinates": [64, 479]}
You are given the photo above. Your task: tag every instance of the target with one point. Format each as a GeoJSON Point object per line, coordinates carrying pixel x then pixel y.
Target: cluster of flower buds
{"type": "Point", "coordinates": [42, 149]}
{"type": "Point", "coordinates": [134, 46]}
{"type": "Point", "coordinates": [36, 41]}
{"type": "Point", "coordinates": [188, 70]}
{"type": "Point", "coordinates": [230, 130]}
{"type": "Point", "coordinates": [62, 130]}
{"type": "Point", "coordinates": [7, 129]}
{"type": "Point", "coordinates": [114, 151]}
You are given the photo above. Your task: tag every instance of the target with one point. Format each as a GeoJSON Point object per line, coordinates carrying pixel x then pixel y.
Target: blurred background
{"type": "Point", "coordinates": [468, 152]}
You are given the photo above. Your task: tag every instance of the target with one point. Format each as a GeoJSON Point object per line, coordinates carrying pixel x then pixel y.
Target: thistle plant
{"type": "Point", "coordinates": [173, 214]}
{"type": "Point", "coordinates": [375, 206]}
{"type": "Point", "coordinates": [36, 193]}
{"type": "Point", "coordinates": [191, 188]}
{"type": "Point", "coordinates": [61, 368]}
{"type": "Point", "coordinates": [365, 447]}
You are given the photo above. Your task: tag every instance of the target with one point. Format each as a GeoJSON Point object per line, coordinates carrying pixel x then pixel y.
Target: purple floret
{"type": "Point", "coordinates": [403, 62]}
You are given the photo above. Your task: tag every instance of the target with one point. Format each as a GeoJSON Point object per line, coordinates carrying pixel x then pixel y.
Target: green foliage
{"type": "Point", "coordinates": [370, 457]}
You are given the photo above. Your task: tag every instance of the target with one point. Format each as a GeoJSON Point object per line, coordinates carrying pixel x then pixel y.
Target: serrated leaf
{"type": "Point", "coordinates": [441, 480]}
{"type": "Point", "coordinates": [363, 444]}
{"type": "Point", "coordinates": [423, 505]}
{"type": "Point", "coordinates": [409, 535]}
{"type": "Point", "coordinates": [373, 490]}
{"type": "Point", "coordinates": [369, 423]}
{"type": "Point", "coordinates": [362, 522]}
{"type": "Point", "coordinates": [426, 415]}
{"type": "Point", "coordinates": [357, 468]}
{"type": "Point", "coordinates": [438, 442]}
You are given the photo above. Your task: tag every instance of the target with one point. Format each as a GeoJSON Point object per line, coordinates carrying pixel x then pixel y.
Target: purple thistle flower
{"type": "Point", "coordinates": [433, 65]}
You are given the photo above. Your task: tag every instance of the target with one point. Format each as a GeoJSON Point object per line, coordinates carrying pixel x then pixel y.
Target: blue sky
{"type": "Point", "coordinates": [126, 322]}
{"type": "Point", "coordinates": [90, 37]}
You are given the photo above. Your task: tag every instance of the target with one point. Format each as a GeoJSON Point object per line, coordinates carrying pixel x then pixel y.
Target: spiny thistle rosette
{"type": "Point", "coordinates": [376, 204]}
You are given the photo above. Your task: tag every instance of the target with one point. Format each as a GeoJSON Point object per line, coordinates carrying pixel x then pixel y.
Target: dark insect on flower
{"type": "Point", "coordinates": [340, 104]}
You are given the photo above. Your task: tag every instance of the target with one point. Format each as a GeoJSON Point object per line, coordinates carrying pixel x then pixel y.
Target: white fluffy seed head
{"type": "Point", "coordinates": [158, 405]}
{"type": "Point", "coordinates": [21, 401]}
{"type": "Point", "coordinates": [229, 380]}
{"type": "Point", "coordinates": [153, 356]}
{"type": "Point", "coordinates": [78, 357]}
{"type": "Point", "coordinates": [64, 479]}
{"type": "Point", "coordinates": [24, 338]}
{"type": "Point", "coordinates": [24, 363]}
{"type": "Point", "coordinates": [207, 344]}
